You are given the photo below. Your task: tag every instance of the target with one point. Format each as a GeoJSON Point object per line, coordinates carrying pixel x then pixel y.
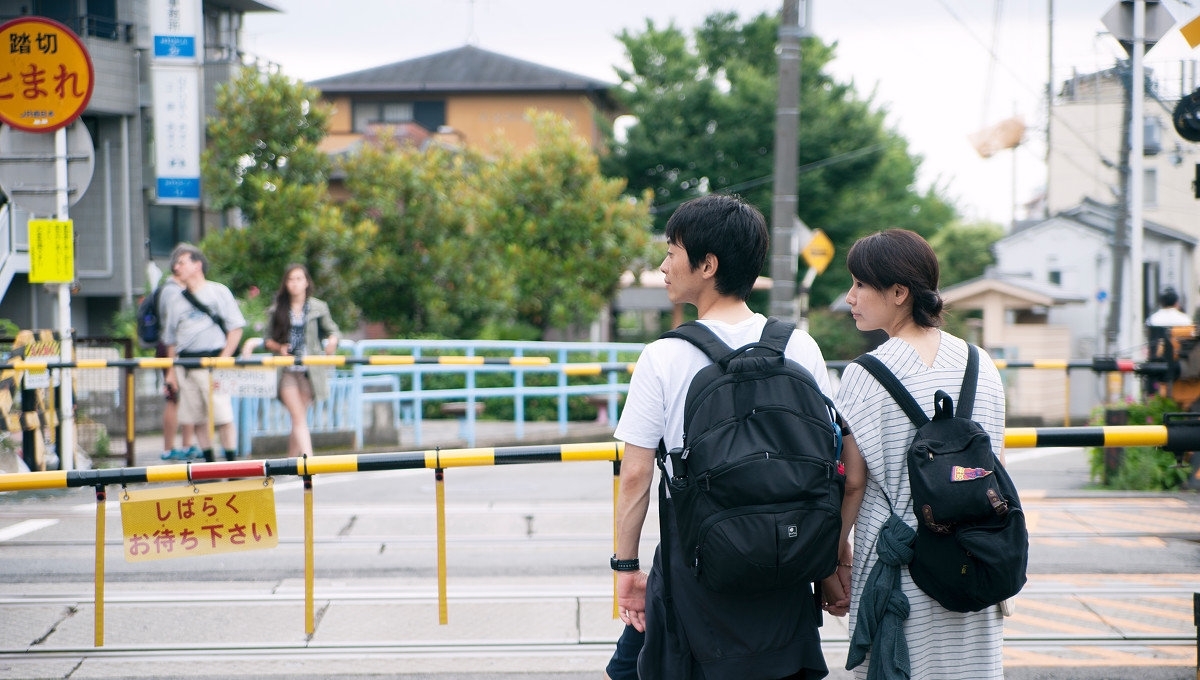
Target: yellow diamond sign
{"type": "Point", "coordinates": [819, 251]}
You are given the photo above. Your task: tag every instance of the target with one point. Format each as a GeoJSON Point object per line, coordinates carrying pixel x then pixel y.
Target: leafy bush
{"type": "Point", "coordinates": [1141, 468]}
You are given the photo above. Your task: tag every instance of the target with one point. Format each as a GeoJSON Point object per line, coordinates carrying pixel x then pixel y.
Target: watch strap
{"type": "Point", "coordinates": [624, 565]}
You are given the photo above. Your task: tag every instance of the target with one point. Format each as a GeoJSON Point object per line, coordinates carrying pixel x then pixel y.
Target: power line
{"type": "Point", "coordinates": [759, 181]}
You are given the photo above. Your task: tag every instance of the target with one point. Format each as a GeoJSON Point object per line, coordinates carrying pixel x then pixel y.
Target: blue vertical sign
{"type": "Point", "coordinates": [177, 27]}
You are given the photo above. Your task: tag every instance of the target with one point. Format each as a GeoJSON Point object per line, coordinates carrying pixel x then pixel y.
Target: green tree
{"type": "Point", "coordinates": [262, 160]}
{"type": "Point", "coordinates": [705, 111]}
{"type": "Point", "coordinates": [565, 228]}
{"type": "Point", "coordinates": [514, 244]}
{"type": "Point", "coordinates": [264, 136]}
{"type": "Point", "coordinates": [965, 250]}
{"type": "Point", "coordinates": [435, 273]}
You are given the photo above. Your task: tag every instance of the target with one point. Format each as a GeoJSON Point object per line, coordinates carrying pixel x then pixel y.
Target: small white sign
{"type": "Point", "coordinates": [37, 380]}
{"type": "Point", "coordinates": [246, 382]}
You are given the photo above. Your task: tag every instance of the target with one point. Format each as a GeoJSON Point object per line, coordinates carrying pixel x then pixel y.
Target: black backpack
{"type": "Point", "coordinates": [149, 326]}
{"type": "Point", "coordinates": [757, 486]}
{"type": "Point", "coordinates": [972, 547]}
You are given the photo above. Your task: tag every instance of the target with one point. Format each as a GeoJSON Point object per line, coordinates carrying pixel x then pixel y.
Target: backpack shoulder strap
{"type": "Point", "coordinates": [966, 396]}
{"type": "Point", "coordinates": [776, 334]}
{"type": "Point", "coordinates": [204, 308]}
{"type": "Point", "coordinates": [894, 387]}
{"type": "Point", "coordinates": [701, 336]}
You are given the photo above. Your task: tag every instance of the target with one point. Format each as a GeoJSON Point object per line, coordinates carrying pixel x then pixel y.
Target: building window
{"type": "Point", "coordinates": [1055, 277]}
{"type": "Point", "coordinates": [1152, 137]}
{"type": "Point", "coordinates": [430, 115]}
{"type": "Point", "coordinates": [170, 225]}
{"type": "Point", "coordinates": [369, 113]}
{"type": "Point", "coordinates": [1150, 187]}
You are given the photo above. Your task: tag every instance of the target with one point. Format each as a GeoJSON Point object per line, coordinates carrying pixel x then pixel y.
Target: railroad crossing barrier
{"type": "Point", "coordinates": [358, 361]}
{"type": "Point", "coordinates": [1180, 433]}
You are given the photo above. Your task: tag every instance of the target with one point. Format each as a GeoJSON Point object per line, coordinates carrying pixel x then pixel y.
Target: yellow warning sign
{"type": "Point", "coordinates": [46, 74]}
{"type": "Point", "coordinates": [51, 251]}
{"type": "Point", "coordinates": [1191, 32]}
{"type": "Point", "coordinates": [819, 251]}
{"type": "Point", "coordinates": [199, 519]}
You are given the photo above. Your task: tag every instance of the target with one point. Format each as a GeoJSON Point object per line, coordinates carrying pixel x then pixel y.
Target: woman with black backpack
{"type": "Point", "coordinates": [897, 630]}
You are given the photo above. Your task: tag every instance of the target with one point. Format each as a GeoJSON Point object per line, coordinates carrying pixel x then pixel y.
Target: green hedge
{"type": "Point", "coordinates": [1141, 468]}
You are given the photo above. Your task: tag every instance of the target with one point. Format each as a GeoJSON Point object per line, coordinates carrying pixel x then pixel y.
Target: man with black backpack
{"type": "Point", "coordinates": [202, 321]}
{"type": "Point", "coordinates": [705, 608]}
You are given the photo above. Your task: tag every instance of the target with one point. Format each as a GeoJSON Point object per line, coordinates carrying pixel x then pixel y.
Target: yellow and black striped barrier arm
{"type": "Point", "coordinates": [279, 361]}
{"type": "Point", "coordinates": [434, 459]}
{"type": "Point", "coordinates": [1180, 433]}
{"type": "Point", "coordinates": [1097, 365]}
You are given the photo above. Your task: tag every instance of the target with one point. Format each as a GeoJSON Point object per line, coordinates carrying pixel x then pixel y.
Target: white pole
{"type": "Point", "coordinates": [1136, 180]}
{"type": "Point", "coordinates": [66, 443]}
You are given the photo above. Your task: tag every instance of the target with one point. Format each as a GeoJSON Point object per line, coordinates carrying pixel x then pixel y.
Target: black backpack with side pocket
{"type": "Point", "coordinates": [149, 324]}
{"type": "Point", "coordinates": [757, 487]}
{"type": "Point", "coordinates": [972, 546]}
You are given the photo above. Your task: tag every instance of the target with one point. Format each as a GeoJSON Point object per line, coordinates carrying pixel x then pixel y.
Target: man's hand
{"type": "Point", "coordinates": [631, 598]}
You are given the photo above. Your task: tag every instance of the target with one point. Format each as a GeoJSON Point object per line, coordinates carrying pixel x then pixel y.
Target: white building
{"type": "Point", "coordinates": [1068, 260]}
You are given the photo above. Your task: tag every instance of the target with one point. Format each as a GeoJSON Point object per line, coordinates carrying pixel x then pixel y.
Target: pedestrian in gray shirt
{"type": "Point", "coordinates": [202, 321]}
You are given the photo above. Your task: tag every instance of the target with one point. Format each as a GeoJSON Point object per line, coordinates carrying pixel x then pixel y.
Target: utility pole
{"type": "Point", "coordinates": [787, 123]}
{"type": "Point", "coordinates": [1137, 25]}
{"type": "Point", "coordinates": [1049, 101]}
{"type": "Point", "coordinates": [1120, 247]}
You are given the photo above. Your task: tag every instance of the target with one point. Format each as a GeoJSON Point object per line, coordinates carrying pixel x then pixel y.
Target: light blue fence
{"type": "Point", "coordinates": [355, 392]}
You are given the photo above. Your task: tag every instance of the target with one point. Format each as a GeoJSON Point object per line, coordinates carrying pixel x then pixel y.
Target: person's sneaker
{"type": "Point", "coordinates": [194, 452]}
{"type": "Point", "coordinates": [175, 454]}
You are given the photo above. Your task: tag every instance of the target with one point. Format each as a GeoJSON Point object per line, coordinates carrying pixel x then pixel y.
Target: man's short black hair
{"type": "Point", "coordinates": [729, 228]}
{"type": "Point", "coordinates": [1168, 298]}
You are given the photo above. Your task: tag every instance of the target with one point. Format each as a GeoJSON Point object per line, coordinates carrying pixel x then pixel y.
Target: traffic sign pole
{"type": "Point", "coordinates": [55, 66]}
{"type": "Point", "coordinates": [817, 253]}
{"type": "Point", "coordinates": [66, 440]}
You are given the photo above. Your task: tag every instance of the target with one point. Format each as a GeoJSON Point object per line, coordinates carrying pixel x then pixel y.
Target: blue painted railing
{"type": "Point", "coordinates": [402, 387]}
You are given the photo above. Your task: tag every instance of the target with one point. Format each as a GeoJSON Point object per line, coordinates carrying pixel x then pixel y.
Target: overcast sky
{"type": "Point", "coordinates": [928, 62]}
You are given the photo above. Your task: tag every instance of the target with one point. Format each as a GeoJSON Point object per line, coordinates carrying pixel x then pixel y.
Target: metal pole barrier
{"type": "Point", "coordinates": [130, 424]}
{"type": "Point", "coordinates": [440, 486]}
{"type": "Point", "coordinates": [616, 494]}
{"type": "Point", "coordinates": [98, 625]}
{"type": "Point", "coordinates": [309, 621]}
{"type": "Point", "coordinates": [30, 441]}
{"type": "Point", "coordinates": [1067, 398]}
{"type": "Point", "coordinates": [212, 422]}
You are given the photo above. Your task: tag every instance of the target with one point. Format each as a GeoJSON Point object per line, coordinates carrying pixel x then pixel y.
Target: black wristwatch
{"type": "Point", "coordinates": [624, 565]}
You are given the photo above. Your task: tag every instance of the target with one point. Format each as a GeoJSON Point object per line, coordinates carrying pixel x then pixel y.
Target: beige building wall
{"type": "Point", "coordinates": [1037, 392]}
{"type": "Point", "coordinates": [484, 120]}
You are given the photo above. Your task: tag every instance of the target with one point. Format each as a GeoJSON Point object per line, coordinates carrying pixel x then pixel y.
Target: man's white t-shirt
{"type": "Point", "coordinates": [657, 390]}
{"type": "Point", "coordinates": [1168, 316]}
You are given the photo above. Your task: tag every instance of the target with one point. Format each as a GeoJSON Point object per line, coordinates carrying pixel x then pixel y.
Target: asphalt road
{"type": "Point", "coordinates": [528, 592]}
